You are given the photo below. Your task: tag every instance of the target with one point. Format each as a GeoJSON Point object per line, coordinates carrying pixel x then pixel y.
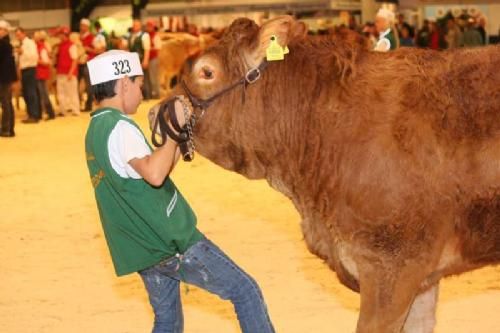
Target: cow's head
{"type": "Point", "coordinates": [230, 131]}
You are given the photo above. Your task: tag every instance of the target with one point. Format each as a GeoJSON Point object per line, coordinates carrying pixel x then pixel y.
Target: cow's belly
{"type": "Point", "coordinates": [322, 242]}
{"type": "Point", "coordinates": [318, 239]}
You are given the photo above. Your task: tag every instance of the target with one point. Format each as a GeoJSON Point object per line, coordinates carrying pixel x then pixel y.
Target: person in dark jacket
{"type": "Point", "coordinates": [7, 77]}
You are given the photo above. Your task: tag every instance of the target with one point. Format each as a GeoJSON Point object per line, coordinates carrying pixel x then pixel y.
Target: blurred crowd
{"type": "Point", "coordinates": [53, 62]}
{"type": "Point", "coordinates": [56, 61]}
{"type": "Point", "coordinates": [446, 33]}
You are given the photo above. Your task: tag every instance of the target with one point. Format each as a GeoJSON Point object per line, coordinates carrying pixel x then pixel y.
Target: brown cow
{"type": "Point", "coordinates": [392, 160]}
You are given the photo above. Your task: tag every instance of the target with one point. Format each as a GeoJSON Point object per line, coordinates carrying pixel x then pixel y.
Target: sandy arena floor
{"type": "Point", "coordinates": [56, 275]}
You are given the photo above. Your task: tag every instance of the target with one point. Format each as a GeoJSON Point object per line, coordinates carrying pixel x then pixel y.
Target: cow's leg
{"type": "Point", "coordinates": [422, 316]}
{"type": "Point", "coordinates": [387, 293]}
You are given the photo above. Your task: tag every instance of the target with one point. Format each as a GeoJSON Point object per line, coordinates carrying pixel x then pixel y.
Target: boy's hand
{"type": "Point", "coordinates": [182, 105]}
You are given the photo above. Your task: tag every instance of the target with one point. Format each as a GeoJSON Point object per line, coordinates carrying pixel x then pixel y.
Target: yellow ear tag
{"type": "Point", "coordinates": [274, 51]}
{"type": "Point", "coordinates": [286, 50]}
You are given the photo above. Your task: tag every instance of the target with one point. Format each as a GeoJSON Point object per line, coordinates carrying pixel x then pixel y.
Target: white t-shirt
{"type": "Point", "coordinates": [125, 143]}
{"type": "Point", "coordinates": [99, 42]}
{"type": "Point", "coordinates": [383, 44]}
{"type": "Point", "coordinates": [29, 57]}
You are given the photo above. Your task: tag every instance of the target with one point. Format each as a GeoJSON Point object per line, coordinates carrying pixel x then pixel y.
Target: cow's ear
{"type": "Point", "coordinates": [285, 28]}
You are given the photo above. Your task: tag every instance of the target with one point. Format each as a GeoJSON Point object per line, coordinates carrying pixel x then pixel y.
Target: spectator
{"type": "Point", "coordinates": [43, 74]}
{"type": "Point", "coordinates": [481, 24]}
{"type": "Point", "coordinates": [28, 60]}
{"type": "Point", "coordinates": [140, 42]}
{"type": "Point", "coordinates": [434, 35]}
{"type": "Point", "coordinates": [406, 39]}
{"type": "Point", "coordinates": [87, 39]}
{"type": "Point", "coordinates": [472, 37]}
{"type": "Point", "coordinates": [152, 29]}
{"type": "Point", "coordinates": [453, 35]}
{"type": "Point", "coordinates": [101, 40]}
{"type": "Point", "coordinates": [8, 76]}
{"type": "Point", "coordinates": [67, 62]}
{"type": "Point", "coordinates": [402, 24]}
{"type": "Point", "coordinates": [369, 31]}
{"type": "Point", "coordinates": [423, 35]}
{"type": "Point", "coordinates": [114, 41]}
{"type": "Point", "coordinates": [353, 24]}
{"type": "Point", "coordinates": [384, 22]}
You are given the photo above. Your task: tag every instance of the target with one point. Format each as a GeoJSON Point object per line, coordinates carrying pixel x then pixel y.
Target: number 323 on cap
{"type": "Point", "coordinates": [114, 65]}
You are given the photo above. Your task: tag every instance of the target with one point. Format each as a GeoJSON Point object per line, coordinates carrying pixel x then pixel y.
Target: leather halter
{"type": "Point", "coordinates": [184, 136]}
{"type": "Point", "coordinates": [250, 77]}
{"type": "Point", "coordinates": [160, 125]}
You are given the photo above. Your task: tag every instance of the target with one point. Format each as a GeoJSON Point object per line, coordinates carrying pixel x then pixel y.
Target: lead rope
{"type": "Point", "coordinates": [189, 121]}
{"type": "Point", "coordinates": [184, 135]}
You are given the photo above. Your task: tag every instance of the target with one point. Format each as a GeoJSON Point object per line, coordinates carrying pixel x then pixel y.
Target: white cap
{"type": "Point", "coordinates": [113, 65]}
{"type": "Point", "coordinates": [4, 25]}
{"type": "Point", "coordinates": [386, 13]}
{"type": "Point", "coordinates": [85, 21]}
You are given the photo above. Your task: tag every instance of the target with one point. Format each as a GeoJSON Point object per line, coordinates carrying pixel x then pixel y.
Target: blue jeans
{"type": "Point", "coordinates": [207, 267]}
{"type": "Point", "coordinates": [30, 92]}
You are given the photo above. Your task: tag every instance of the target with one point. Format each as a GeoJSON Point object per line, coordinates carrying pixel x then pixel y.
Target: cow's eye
{"type": "Point", "coordinates": [207, 73]}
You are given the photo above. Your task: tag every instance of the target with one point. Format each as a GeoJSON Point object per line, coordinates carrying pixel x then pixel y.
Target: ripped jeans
{"type": "Point", "coordinates": [207, 267]}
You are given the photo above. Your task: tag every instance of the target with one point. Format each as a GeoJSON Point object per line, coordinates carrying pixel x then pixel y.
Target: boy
{"type": "Point", "coordinates": [149, 226]}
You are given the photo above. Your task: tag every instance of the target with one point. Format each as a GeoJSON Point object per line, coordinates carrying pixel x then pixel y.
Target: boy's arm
{"type": "Point", "coordinates": [176, 158]}
{"type": "Point", "coordinates": [156, 167]}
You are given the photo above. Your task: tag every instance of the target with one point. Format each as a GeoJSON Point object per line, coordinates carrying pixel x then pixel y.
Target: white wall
{"type": "Point", "coordinates": [112, 11]}
{"type": "Point", "coordinates": [39, 19]}
{"type": "Point", "coordinates": [494, 19]}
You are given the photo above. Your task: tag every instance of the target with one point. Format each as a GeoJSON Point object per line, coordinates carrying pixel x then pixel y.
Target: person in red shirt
{"type": "Point", "coordinates": [152, 29]}
{"type": "Point", "coordinates": [87, 39]}
{"type": "Point", "coordinates": [434, 36]}
{"type": "Point", "coordinates": [67, 85]}
{"type": "Point", "coordinates": [43, 73]}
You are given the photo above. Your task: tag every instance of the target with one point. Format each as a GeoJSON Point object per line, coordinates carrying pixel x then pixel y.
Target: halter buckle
{"type": "Point", "coordinates": [252, 75]}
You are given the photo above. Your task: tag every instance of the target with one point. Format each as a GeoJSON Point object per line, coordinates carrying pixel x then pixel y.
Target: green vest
{"type": "Point", "coordinates": [142, 224]}
{"type": "Point", "coordinates": [392, 39]}
{"type": "Point", "coordinates": [136, 46]}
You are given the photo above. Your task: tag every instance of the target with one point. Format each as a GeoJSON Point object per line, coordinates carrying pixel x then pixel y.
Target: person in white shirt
{"type": "Point", "coordinates": [388, 38]}
{"type": "Point", "coordinates": [155, 40]}
{"type": "Point", "coordinates": [28, 60]}
{"type": "Point", "coordinates": [100, 40]}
